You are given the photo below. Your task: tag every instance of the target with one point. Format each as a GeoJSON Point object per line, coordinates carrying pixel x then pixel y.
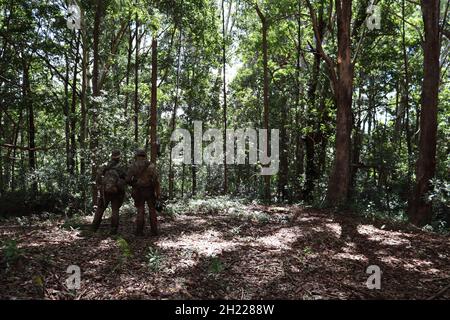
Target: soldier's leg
{"type": "Point", "coordinates": [153, 219]}
{"type": "Point", "coordinates": [116, 203]}
{"type": "Point", "coordinates": [139, 203]}
{"type": "Point", "coordinates": [101, 207]}
{"type": "Point", "coordinates": [140, 219]}
{"type": "Point", "coordinates": [115, 216]}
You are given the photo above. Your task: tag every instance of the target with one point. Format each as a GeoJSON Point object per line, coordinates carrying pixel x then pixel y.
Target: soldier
{"type": "Point", "coordinates": [143, 177]}
{"type": "Point", "coordinates": [111, 184]}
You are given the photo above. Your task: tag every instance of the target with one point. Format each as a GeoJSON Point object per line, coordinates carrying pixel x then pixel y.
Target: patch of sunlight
{"type": "Point", "coordinates": [350, 256]}
{"type": "Point", "coordinates": [335, 228]}
{"type": "Point", "coordinates": [348, 252]}
{"type": "Point", "coordinates": [390, 238]}
{"type": "Point", "coordinates": [207, 243]}
{"type": "Point", "coordinates": [393, 261]}
{"type": "Point", "coordinates": [98, 262]}
{"type": "Point", "coordinates": [349, 247]}
{"type": "Point", "coordinates": [59, 236]}
{"type": "Point", "coordinates": [317, 229]}
{"type": "Point", "coordinates": [420, 265]}
{"type": "Point", "coordinates": [282, 239]}
{"type": "Point", "coordinates": [307, 219]}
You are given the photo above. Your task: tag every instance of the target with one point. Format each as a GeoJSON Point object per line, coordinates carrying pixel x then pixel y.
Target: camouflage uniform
{"type": "Point", "coordinates": [116, 199]}
{"type": "Point", "coordinates": [144, 194]}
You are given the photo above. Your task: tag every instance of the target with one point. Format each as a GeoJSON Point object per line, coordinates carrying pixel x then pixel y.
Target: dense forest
{"type": "Point", "coordinates": [355, 96]}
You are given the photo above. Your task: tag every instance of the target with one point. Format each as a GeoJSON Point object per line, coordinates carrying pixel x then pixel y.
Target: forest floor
{"type": "Point", "coordinates": [241, 252]}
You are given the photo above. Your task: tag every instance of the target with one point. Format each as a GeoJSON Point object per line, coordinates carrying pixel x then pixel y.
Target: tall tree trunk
{"type": "Point", "coordinates": [15, 138]}
{"type": "Point", "coordinates": [264, 31]}
{"type": "Point", "coordinates": [310, 141]}
{"type": "Point", "coordinates": [358, 136]}
{"type": "Point", "coordinates": [83, 113]}
{"type": "Point", "coordinates": [83, 107]}
{"type": "Point", "coordinates": [311, 137]}
{"type": "Point", "coordinates": [154, 100]}
{"type": "Point", "coordinates": [1, 153]}
{"type": "Point", "coordinates": [136, 86]}
{"type": "Point", "coordinates": [66, 109]}
{"type": "Point", "coordinates": [99, 11]}
{"type": "Point", "coordinates": [299, 146]}
{"type": "Point", "coordinates": [284, 161]}
{"type": "Point", "coordinates": [28, 101]}
{"type": "Point", "coordinates": [420, 210]}
{"type": "Point", "coordinates": [406, 94]}
{"type": "Point", "coordinates": [193, 170]}
{"type": "Point", "coordinates": [224, 65]}
{"type": "Point", "coordinates": [340, 179]}
{"type": "Point", "coordinates": [174, 115]}
{"type": "Point", "coordinates": [73, 147]}
{"type": "Point", "coordinates": [127, 76]}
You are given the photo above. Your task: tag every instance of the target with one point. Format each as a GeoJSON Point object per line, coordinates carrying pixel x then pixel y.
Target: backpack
{"type": "Point", "coordinates": [147, 177]}
{"type": "Point", "coordinates": [111, 181]}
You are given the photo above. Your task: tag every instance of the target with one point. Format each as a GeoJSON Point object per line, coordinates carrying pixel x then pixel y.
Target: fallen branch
{"type": "Point", "coordinates": [11, 146]}
{"type": "Point", "coordinates": [440, 293]}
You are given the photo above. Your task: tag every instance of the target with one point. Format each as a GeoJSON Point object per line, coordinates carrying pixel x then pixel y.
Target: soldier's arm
{"type": "Point", "coordinates": [123, 173]}
{"type": "Point", "coordinates": [100, 174]}
{"type": "Point", "coordinates": [130, 175]}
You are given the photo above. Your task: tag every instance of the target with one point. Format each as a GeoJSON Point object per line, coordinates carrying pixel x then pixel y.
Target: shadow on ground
{"type": "Point", "coordinates": [263, 253]}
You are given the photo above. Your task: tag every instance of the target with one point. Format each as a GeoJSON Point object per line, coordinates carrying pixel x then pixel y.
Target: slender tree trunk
{"type": "Point", "coordinates": [358, 137]}
{"type": "Point", "coordinates": [83, 103]}
{"type": "Point", "coordinates": [1, 153]}
{"type": "Point", "coordinates": [83, 112]}
{"type": "Point", "coordinates": [174, 115]}
{"type": "Point", "coordinates": [183, 175]}
{"type": "Point", "coordinates": [193, 171]}
{"type": "Point", "coordinates": [310, 141]}
{"type": "Point", "coordinates": [127, 76]}
{"type": "Point", "coordinates": [136, 86]}
{"type": "Point", "coordinates": [15, 139]}
{"type": "Point", "coordinates": [406, 95]}
{"type": "Point", "coordinates": [154, 100]}
{"type": "Point", "coordinates": [224, 65]}
{"type": "Point", "coordinates": [284, 161]}
{"type": "Point", "coordinates": [28, 101]}
{"type": "Point", "coordinates": [340, 179]}
{"type": "Point", "coordinates": [264, 31]}
{"type": "Point", "coordinates": [73, 147]}
{"type": "Point", "coordinates": [420, 210]}
{"type": "Point", "coordinates": [96, 93]}
{"type": "Point", "coordinates": [299, 146]}
{"type": "Point", "coordinates": [67, 110]}
{"type": "Point", "coordinates": [311, 137]}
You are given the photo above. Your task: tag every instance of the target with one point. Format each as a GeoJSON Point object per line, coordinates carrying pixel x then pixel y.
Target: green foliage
{"type": "Point", "coordinates": [154, 259]}
{"type": "Point", "coordinates": [20, 203]}
{"type": "Point", "coordinates": [440, 195]}
{"type": "Point", "coordinates": [216, 266]}
{"type": "Point", "coordinates": [308, 251]}
{"type": "Point", "coordinates": [73, 222]}
{"type": "Point", "coordinates": [208, 205]}
{"type": "Point", "coordinates": [125, 253]}
{"type": "Point", "coordinates": [124, 248]}
{"type": "Point", "coordinates": [262, 217]}
{"type": "Point", "coordinates": [11, 253]}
